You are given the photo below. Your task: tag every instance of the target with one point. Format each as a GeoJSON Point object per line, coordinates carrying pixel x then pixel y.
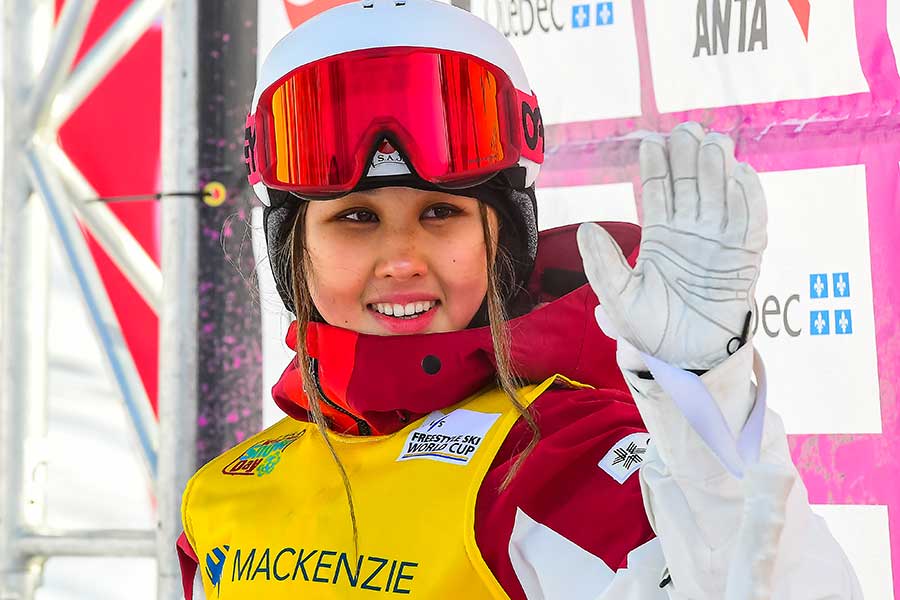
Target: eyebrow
{"type": "Point", "coordinates": [370, 193]}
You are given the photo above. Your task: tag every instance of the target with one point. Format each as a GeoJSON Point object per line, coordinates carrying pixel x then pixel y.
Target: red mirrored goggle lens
{"type": "Point", "coordinates": [455, 117]}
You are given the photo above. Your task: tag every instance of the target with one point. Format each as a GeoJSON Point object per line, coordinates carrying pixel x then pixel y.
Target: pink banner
{"type": "Point", "coordinates": [855, 129]}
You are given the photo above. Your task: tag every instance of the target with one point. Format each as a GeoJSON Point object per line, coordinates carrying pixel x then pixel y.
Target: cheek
{"type": "Point", "coordinates": [465, 281]}
{"type": "Point", "coordinates": [337, 280]}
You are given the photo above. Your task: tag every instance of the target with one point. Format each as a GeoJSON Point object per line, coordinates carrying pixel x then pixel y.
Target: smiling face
{"type": "Point", "coordinates": [397, 260]}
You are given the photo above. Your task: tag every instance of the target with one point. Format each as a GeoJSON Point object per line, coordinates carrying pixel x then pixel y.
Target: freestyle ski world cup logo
{"type": "Point", "coordinates": [260, 459]}
{"type": "Point", "coordinates": [452, 438]}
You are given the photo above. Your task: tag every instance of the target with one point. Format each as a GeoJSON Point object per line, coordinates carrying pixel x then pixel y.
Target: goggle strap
{"type": "Point", "coordinates": [532, 127]}
{"type": "Point", "coordinates": [250, 156]}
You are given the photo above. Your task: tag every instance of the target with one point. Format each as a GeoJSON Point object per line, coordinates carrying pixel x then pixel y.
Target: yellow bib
{"type": "Point", "coordinates": [269, 518]}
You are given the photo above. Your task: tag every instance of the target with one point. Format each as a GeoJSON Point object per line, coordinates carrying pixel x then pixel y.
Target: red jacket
{"type": "Point", "coordinates": [560, 484]}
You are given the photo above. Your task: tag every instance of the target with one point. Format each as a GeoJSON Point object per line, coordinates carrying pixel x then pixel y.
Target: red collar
{"type": "Point", "coordinates": [376, 384]}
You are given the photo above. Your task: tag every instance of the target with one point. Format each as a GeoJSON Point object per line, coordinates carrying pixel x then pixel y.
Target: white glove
{"type": "Point", "coordinates": [692, 287]}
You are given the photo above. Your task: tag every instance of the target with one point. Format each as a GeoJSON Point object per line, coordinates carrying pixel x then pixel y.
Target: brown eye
{"type": "Point", "coordinates": [359, 216]}
{"type": "Point", "coordinates": [440, 211]}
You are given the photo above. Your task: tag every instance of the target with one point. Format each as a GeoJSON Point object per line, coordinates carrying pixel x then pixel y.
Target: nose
{"type": "Point", "coordinates": [401, 256]}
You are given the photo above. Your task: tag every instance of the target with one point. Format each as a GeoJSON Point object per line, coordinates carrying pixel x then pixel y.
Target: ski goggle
{"type": "Point", "coordinates": [456, 118]}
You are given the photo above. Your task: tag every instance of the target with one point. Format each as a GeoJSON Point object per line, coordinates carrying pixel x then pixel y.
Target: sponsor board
{"type": "Point", "coordinates": [580, 57]}
{"type": "Point", "coordinates": [864, 535]}
{"type": "Point", "coordinates": [893, 29]}
{"type": "Point", "coordinates": [707, 53]}
{"type": "Point", "coordinates": [816, 325]}
{"type": "Point", "coordinates": [564, 205]}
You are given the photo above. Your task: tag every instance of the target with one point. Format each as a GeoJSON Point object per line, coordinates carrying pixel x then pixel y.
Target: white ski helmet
{"type": "Point", "coordinates": [389, 27]}
{"type": "Point", "coordinates": [380, 24]}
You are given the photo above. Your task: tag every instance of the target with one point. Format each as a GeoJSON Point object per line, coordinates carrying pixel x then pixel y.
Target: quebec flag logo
{"type": "Point", "coordinates": [581, 16]}
{"type": "Point", "coordinates": [215, 563]}
{"type": "Point", "coordinates": [599, 14]}
{"type": "Point", "coordinates": [821, 287]}
{"type": "Point", "coordinates": [605, 13]}
{"type": "Point", "coordinates": [818, 285]}
{"type": "Point", "coordinates": [843, 322]}
{"type": "Point", "coordinates": [841, 285]}
{"type": "Point", "coordinates": [818, 322]}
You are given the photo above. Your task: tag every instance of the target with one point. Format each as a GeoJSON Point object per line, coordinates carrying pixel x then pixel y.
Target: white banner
{"type": "Point", "coordinates": [580, 55]}
{"type": "Point", "coordinates": [816, 327]}
{"type": "Point", "coordinates": [707, 53]}
{"type": "Point", "coordinates": [558, 206]}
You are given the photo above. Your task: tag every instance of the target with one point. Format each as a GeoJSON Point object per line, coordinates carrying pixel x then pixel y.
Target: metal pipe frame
{"type": "Point", "coordinates": [178, 316]}
{"type": "Point", "coordinates": [17, 354]}
{"type": "Point", "coordinates": [73, 20]}
{"type": "Point", "coordinates": [109, 232]}
{"type": "Point", "coordinates": [91, 69]}
{"type": "Point", "coordinates": [34, 109]}
{"type": "Point", "coordinates": [99, 306]}
{"type": "Point", "coordinates": [110, 542]}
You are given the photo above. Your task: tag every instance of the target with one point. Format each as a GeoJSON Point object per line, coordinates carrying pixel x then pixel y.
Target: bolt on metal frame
{"type": "Point", "coordinates": [35, 168]}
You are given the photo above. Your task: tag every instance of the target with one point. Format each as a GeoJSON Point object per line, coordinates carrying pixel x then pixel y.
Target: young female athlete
{"type": "Point", "coordinates": [459, 426]}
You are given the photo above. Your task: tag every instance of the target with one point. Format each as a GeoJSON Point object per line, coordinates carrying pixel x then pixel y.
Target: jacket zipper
{"type": "Point", "coordinates": [361, 426]}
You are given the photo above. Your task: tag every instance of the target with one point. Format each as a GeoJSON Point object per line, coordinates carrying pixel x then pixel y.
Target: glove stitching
{"type": "Point", "coordinates": [740, 294]}
{"type": "Point", "coordinates": [681, 232]}
{"type": "Point", "coordinates": [723, 274]}
{"type": "Point", "coordinates": [724, 167]}
{"type": "Point", "coordinates": [684, 129]}
{"type": "Point", "coordinates": [667, 192]}
{"type": "Point", "coordinates": [747, 208]}
{"type": "Point", "coordinates": [723, 224]}
{"type": "Point", "coordinates": [655, 178]}
{"type": "Point", "coordinates": [709, 318]}
{"type": "Point", "coordinates": [668, 319]}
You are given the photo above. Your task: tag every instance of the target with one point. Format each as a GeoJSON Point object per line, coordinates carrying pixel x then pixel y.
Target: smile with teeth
{"type": "Point", "coordinates": [404, 311]}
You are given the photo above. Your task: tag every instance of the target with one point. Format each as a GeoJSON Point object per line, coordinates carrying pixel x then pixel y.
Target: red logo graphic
{"type": "Point", "coordinates": [300, 11]}
{"type": "Point", "coordinates": [801, 10]}
{"type": "Point", "coordinates": [386, 148]}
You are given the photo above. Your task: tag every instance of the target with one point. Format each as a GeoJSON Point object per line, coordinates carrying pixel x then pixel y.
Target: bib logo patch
{"type": "Point", "coordinates": [452, 438]}
{"type": "Point", "coordinates": [215, 562]}
{"type": "Point", "coordinates": [303, 569]}
{"type": "Point", "coordinates": [626, 457]}
{"type": "Point", "coordinates": [260, 459]}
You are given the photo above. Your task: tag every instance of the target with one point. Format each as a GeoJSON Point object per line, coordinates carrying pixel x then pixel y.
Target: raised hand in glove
{"type": "Point", "coordinates": [687, 300]}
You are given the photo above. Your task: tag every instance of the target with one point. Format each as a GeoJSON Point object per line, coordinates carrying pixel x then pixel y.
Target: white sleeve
{"type": "Point", "coordinates": [550, 566]}
{"type": "Point", "coordinates": [695, 505]}
{"type": "Point", "coordinates": [199, 594]}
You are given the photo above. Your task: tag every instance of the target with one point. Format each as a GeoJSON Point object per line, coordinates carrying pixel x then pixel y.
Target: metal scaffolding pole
{"type": "Point", "coordinates": [178, 309]}
{"type": "Point", "coordinates": [109, 232]}
{"type": "Point", "coordinates": [99, 307]}
{"type": "Point", "coordinates": [34, 165]}
{"type": "Point", "coordinates": [33, 109]}
{"type": "Point", "coordinates": [117, 40]}
{"type": "Point", "coordinates": [67, 37]}
{"type": "Point", "coordinates": [17, 386]}
{"type": "Point", "coordinates": [112, 542]}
